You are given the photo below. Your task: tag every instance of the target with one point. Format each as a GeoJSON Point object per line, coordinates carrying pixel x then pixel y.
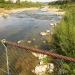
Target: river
{"type": "Point", "coordinates": [25, 25]}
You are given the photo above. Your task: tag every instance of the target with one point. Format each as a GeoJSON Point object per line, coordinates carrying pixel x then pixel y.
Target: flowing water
{"type": "Point", "coordinates": [23, 25]}
{"type": "Point", "coordinates": [26, 24]}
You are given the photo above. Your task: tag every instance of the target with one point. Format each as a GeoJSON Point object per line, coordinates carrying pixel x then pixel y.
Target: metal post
{"type": "Point", "coordinates": [7, 60]}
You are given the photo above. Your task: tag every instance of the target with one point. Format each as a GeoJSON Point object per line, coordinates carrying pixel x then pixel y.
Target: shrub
{"type": "Point", "coordinates": [64, 40]}
{"type": "Point", "coordinates": [64, 35]}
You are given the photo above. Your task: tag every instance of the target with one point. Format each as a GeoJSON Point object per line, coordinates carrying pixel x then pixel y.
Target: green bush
{"type": "Point", "coordinates": [9, 5]}
{"type": "Point", "coordinates": [64, 40]}
{"type": "Point", "coordinates": [64, 35]}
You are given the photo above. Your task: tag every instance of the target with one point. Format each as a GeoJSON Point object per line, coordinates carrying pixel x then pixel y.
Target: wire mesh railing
{"type": "Point", "coordinates": [19, 60]}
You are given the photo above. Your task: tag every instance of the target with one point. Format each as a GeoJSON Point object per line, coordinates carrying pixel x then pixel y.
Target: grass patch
{"type": "Point", "coordinates": [64, 39]}
{"type": "Point", "coordinates": [9, 5]}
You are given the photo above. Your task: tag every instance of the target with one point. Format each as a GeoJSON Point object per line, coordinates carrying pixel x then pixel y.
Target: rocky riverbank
{"type": "Point", "coordinates": [56, 11]}
{"type": "Point", "coordinates": [6, 12]}
{"type": "Point", "coordinates": [44, 65]}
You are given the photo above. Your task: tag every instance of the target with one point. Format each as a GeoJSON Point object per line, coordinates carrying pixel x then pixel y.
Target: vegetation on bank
{"type": "Point", "coordinates": [65, 4]}
{"type": "Point", "coordinates": [63, 39]}
{"type": "Point", "coordinates": [9, 5]}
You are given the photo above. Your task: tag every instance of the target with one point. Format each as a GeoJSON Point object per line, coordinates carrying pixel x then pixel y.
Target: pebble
{"type": "Point", "coordinates": [29, 42]}
{"type": "Point", "coordinates": [43, 33]}
{"type": "Point", "coordinates": [47, 31]}
{"type": "Point", "coordinates": [43, 68]}
{"type": "Point", "coordinates": [20, 41]}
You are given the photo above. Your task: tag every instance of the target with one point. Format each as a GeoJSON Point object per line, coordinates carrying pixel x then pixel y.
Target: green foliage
{"type": "Point", "coordinates": [65, 35]}
{"type": "Point", "coordinates": [64, 39]}
{"type": "Point", "coordinates": [61, 2]}
{"type": "Point", "coordinates": [9, 5]}
{"type": "Point", "coordinates": [47, 59]}
{"type": "Point", "coordinates": [64, 68]}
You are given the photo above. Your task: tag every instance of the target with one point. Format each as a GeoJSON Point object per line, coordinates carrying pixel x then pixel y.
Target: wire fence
{"type": "Point", "coordinates": [21, 61]}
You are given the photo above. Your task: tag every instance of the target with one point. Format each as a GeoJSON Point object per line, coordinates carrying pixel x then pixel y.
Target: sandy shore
{"type": "Point", "coordinates": [6, 12]}
{"type": "Point", "coordinates": [56, 11]}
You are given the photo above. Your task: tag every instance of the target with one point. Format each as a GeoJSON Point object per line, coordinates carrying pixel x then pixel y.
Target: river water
{"type": "Point", "coordinates": [24, 25]}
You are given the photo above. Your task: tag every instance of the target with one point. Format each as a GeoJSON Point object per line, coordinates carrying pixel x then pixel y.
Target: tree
{"type": "Point", "coordinates": [69, 0]}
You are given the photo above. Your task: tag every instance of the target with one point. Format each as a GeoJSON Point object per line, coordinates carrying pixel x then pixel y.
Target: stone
{"type": "Point", "coordinates": [19, 41]}
{"type": "Point", "coordinates": [43, 33]}
{"type": "Point", "coordinates": [29, 42]}
{"type": "Point", "coordinates": [52, 24]}
{"type": "Point", "coordinates": [40, 69]}
{"type": "Point", "coordinates": [48, 31]}
{"type": "Point", "coordinates": [50, 67]}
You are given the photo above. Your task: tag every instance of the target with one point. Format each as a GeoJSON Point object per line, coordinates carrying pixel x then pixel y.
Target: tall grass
{"type": "Point", "coordinates": [64, 39]}
{"type": "Point", "coordinates": [65, 34]}
{"type": "Point", "coordinates": [26, 4]}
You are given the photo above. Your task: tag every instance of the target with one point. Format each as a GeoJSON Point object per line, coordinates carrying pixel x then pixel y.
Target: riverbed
{"type": "Point", "coordinates": [26, 24]}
